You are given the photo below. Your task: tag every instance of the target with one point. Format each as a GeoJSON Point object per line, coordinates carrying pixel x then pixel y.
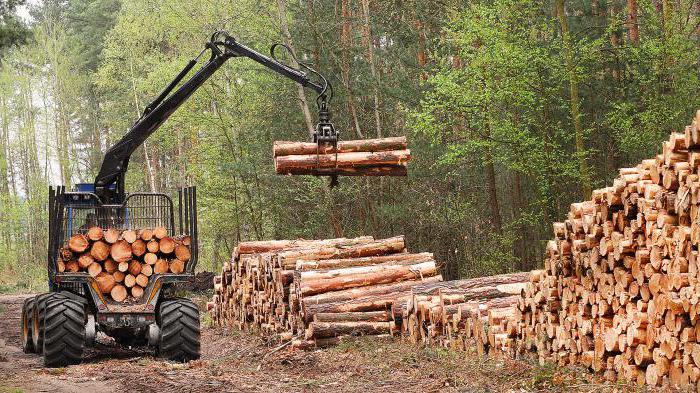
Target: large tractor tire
{"type": "Point", "coordinates": [27, 325]}
{"type": "Point", "coordinates": [38, 315]}
{"type": "Point", "coordinates": [179, 330]}
{"type": "Point", "coordinates": [64, 332]}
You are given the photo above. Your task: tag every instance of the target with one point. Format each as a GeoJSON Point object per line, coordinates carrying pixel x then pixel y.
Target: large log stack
{"type": "Point", "coordinates": [366, 157]}
{"type": "Point", "coordinates": [318, 291]}
{"type": "Point", "coordinates": [123, 261]}
{"type": "Point", "coordinates": [620, 290]}
{"type": "Point", "coordinates": [460, 314]}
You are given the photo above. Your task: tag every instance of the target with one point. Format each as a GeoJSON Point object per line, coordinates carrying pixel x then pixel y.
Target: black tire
{"type": "Point", "coordinates": [27, 325]}
{"type": "Point", "coordinates": [38, 315]}
{"type": "Point", "coordinates": [179, 330]}
{"type": "Point", "coordinates": [64, 333]}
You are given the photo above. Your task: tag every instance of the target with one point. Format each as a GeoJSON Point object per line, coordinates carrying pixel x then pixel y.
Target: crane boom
{"type": "Point", "coordinates": [109, 183]}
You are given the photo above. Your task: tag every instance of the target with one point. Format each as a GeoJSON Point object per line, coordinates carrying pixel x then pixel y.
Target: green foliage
{"type": "Point", "coordinates": [13, 31]}
{"type": "Point", "coordinates": [488, 117]}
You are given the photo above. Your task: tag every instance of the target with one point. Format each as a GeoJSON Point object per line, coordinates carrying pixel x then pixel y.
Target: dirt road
{"type": "Point", "coordinates": [239, 362]}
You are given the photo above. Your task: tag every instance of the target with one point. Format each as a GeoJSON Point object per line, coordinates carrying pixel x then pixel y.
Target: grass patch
{"type": "Point", "coordinates": [8, 389]}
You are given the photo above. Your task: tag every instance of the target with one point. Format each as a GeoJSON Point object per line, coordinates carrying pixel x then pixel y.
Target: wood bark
{"type": "Point", "coordinates": [361, 292]}
{"type": "Point", "coordinates": [341, 160]}
{"type": "Point", "coordinates": [334, 329]}
{"type": "Point", "coordinates": [367, 316]}
{"type": "Point", "coordinates": [303, 265]}
{"type": "Point", "coordinates": [386, 275]}
{"type": "Point", "coordinates": [285, 148]}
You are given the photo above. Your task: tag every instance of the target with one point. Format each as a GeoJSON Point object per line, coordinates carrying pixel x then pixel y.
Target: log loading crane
{"type": "Point", "coordinates": [61, 323]}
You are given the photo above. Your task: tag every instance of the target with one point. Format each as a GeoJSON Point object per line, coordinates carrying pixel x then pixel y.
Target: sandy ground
{"type": "Point", "coordinates": [233, 361]}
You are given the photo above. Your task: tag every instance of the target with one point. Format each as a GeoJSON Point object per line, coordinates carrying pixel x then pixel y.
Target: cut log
{"type": "Point", "coordinates": [105, 282]}
{"type": "Point", "coordinates": [367, 316]}
{"type": "Point", "coordinates": [355, 293]}
{"type": "Point", "coordinates": [111, 236]}
{"type": "Point", "coordinates": [78, 243]}
{"type": "Point", "coordinates": [100, 250]}
{"type": "Point", "coordinates": [118, 293]}
{"type": "Point", "coordinates": [177, 266]}
{"type": "Point", "coordinates": [160, 232]}
{"type": "Point", "coordinates": [152, 246]}
{"type": "Point", "coordinates": [161, 267]}
{"type": "Point", "coordinates": [285, 148]}
{"type": "Point", "coordinates": [359, 279]}
{"type": "Point", "coordinates": [66, 254]}
{"type": "Point", "coordinates": [60, 266]}
{"type": "Point", "coordinates": [509, 278]}
{"type": "Point", "coordinates": [186, 241]}
{"type": "Point", "coordinates": [72, 266]}
{"type": "Point", "coordinates": [400, 258]}
{"type": "Point", "coordinates": [361, 304]}
{"type": "Point", "coordinates": [123, 266]}
{"type": "Point", "coordinates": [334, 329]}
{"type": "Point", "coordinates": [349, 271]}
{"type": "Point", "coordinates": [182, 253]}
{"type": "Point", "coordinates": [85, 260]}
{"type": "Point", "coordinates": [119, 276]}
{"type": "Point", "coordinates": [110, 266]}
{"type": "Point", "coordinates": [95, 233]}
{"type": "Point", "coordinates": [129, 280]}
{"type": "Point", "coordinates": [142, 280]}
{"type": "Point", "coordinates": [257, 247]}
{"type": "Point", "coordinates": [146, 234]}
{"type": "Point", "coordinates": [367, 171]}
{"type": "Point", "coordinates": [129, 236]}
{"type": "Point", "coordinates": [287, 164]}
{"type": "Point", "coordinates": [94, 269]}
{"type": "Point", "coordinates": [136, 291]}
{"type": "Point", "coordinates": [166, 245]}
{"type": "Point", "coordinates": [391, 245]}
{"type": "Point", "coordinates": [150, 258]}
{"type": "Point", "coordinates": [121, 251]}
{"type": "Point", "coordinates": [134, 268]}
{"type": "Point", "coordinates": [138, 248]}
{"type": "Point", "coordinates": [147, 270]}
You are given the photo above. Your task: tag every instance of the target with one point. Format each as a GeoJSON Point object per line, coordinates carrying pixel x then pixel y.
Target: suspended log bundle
{"type": "Point", "coordinates": [460, 314]}
{"type": "Point", "coordinates": [315, 291]}
{"type": "Point", "coordinates": [122, 262]}
{"type": "Point", "coordinates": [619, 292]}
{"type": "Point", "coordinates": [367, 157]}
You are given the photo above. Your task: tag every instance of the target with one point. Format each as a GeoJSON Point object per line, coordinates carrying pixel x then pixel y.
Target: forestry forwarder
{"type": "Point", "coordinates": [61, 323]}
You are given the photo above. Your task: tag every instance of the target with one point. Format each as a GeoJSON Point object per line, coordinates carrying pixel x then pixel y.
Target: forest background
{"type": "Point", "coordinates": [513, 110]}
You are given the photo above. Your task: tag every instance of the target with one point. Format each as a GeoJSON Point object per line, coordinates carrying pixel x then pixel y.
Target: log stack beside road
{"type": "Point", "coordinates": [620, 291]}
{"type": "Point", "coordinates": [316, 292]}
{"type": "Point", "coordinates": [460, 314]}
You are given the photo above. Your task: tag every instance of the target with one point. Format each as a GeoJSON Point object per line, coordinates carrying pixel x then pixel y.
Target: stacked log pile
{"type": "Point", "coordinates": [317, 292]}
{"type": "Point", "coordinates": [620, 291]}
{"type": "Point", "coordinates": [123, 261]}
{"type": "Point", "coordinates": [367, 157]}
{"type": "Point", "coordinates": [461, 314]}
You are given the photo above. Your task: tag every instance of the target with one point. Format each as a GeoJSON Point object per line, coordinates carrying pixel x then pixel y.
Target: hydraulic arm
{"type": "Point", "coordinates": [109, 183]}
